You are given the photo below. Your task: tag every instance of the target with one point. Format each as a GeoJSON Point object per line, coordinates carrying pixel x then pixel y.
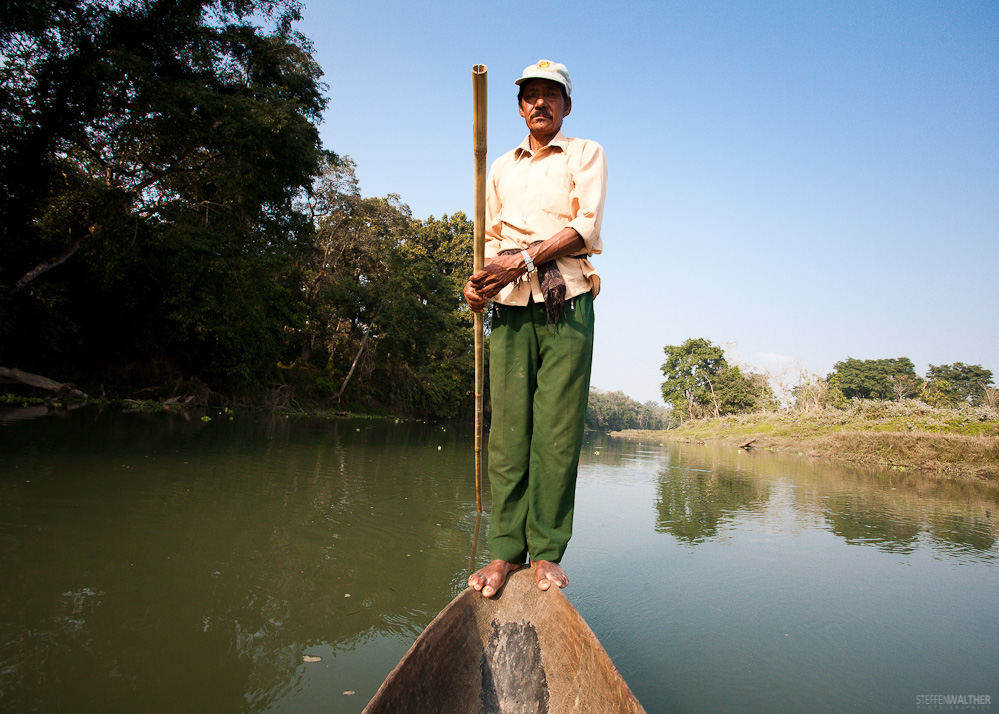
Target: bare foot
{"type": "Point", "coordinates": [547, 572]}
{"type": "Point", "coordinates": [491, 578]}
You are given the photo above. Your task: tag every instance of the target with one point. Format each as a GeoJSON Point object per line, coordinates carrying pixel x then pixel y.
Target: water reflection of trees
{"type": "Point", "coordinates": [703, 488]}
{"type": "Point", "coordinates": [692, 504]}
{"type": "Point", "coordinates": [157, 570]}
{"type": "Point", "coordinates": [858, 521]}
{"type": "Point", "coordinates": [893, 525]}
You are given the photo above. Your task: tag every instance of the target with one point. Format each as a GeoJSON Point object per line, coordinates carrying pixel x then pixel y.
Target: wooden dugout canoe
{"type": "Point", "coordinates": [526, 651]}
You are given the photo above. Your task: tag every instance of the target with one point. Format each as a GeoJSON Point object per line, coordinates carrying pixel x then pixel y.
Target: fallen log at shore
{"type": "Point", "coordinates": [36, 381]}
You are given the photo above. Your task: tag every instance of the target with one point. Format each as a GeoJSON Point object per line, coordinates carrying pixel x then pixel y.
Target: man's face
{"type": "Point", "coordinates": [543, 106]}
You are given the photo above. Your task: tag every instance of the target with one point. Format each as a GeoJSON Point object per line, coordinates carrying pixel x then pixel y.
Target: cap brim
{"type": "Point", "coordinates": [520, 81]}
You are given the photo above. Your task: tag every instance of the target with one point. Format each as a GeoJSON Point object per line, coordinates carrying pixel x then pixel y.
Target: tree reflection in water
{"type": "Point", "coordinates": [703, 489]}
{"type": "Point", "coordinates": [171, 561]}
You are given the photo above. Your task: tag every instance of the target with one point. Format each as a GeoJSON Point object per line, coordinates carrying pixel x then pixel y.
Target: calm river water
{"type": "Point", "coordinates": [157, 564]}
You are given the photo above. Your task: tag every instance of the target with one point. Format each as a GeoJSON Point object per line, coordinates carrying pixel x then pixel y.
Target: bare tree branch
{"type": "Point", "coordinates": [47, 265]}
{"type": "Point", "coordinates": [364, 342]}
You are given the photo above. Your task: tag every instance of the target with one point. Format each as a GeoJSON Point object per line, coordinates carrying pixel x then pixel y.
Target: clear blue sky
{"type": "Point", "coordinates": [798, 181]}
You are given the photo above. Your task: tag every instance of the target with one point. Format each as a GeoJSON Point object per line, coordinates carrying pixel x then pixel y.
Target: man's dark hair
{"type": "Point", "coordinates": [520, 93]}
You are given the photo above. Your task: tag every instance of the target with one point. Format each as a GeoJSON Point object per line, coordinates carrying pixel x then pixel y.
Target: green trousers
{"type": "Point", "coordinates": [539, 380]}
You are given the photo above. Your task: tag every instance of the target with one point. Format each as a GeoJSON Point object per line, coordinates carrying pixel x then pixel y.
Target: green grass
{"type": "Point", "coordinates": [905, 434]}
{"type": "Point", "coordinates": [907, 416]}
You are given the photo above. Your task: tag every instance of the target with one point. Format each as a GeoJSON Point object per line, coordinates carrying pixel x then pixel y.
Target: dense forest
{"type": "Point", "coordinates": [616, 411]}
{"type": "Point", "coordinates": [172, 224]}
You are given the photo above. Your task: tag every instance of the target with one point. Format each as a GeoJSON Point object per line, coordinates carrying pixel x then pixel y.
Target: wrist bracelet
{"type": "Point", "coordinates": [527, 261]}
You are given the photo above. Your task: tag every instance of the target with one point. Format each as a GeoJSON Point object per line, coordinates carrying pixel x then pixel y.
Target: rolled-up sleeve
{"type": "Point", "coordinates": [531, 197]}
{"type": "Point", "coordinates": [589, 174]}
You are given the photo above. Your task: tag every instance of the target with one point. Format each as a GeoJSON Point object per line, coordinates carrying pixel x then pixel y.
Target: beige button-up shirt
{"type": "Point", "coordinates": [532, 196]}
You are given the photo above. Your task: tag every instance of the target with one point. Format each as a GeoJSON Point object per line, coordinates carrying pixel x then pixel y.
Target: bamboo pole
{"type": "Point", "coordinates": [478, 254]}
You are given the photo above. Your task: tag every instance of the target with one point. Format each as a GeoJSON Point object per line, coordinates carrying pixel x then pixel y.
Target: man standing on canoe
{"type": "Point", "coordinates": [544, 205]}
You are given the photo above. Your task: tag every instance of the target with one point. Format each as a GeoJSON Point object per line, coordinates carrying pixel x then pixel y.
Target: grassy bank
{"type": "Point", "coordinates": [898, 435]}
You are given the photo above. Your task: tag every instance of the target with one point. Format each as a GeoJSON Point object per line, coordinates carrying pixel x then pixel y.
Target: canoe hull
{"type": "Point", "coordinates": [526, 651]}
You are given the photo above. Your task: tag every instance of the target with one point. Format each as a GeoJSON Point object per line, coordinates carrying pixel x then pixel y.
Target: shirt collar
{"type": "Point", "coordinates": [560, 141]}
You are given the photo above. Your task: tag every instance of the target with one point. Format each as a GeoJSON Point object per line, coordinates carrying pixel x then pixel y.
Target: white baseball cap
{"type": "Point", "coordinates": [543, 69]}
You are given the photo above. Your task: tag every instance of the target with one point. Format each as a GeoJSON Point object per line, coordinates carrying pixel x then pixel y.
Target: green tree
{"type": "Point", "coordinates": [151, 154]}
{"type": "Point", "coordinates": [426, 359]}
{"type": "Point", "coordinates": [736, 392]}
{"type": "Point", "coordinates": [352, 236]}
{"type": "Point", "coordinates": [834, 396]}
{"type": "Point", "coordinates": [688, 371]}
{"type": "Point", "coordinates": [346, 265]}
{"type": "Point", "coordinates": [938, 393]}
{"type": "Point", "coordinates": [872, 378]}
{"type": "Point", "coordinates": [700, 382]}
{"type": "Point", "coordinates": [964, 382]}
{"type": "Point", "coordinates": [384, 317]}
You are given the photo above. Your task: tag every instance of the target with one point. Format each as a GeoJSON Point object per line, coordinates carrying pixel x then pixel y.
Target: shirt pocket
{"type": "Point", "coordinates": [555, 196]}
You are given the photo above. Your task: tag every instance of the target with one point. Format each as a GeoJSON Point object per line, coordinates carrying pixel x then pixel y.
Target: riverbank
{"type": "Point", "coordinates": [907, 435]}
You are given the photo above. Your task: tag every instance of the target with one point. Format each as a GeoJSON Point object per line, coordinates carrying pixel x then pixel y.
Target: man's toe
{"type": "Point", "coordinates": [493, 585]}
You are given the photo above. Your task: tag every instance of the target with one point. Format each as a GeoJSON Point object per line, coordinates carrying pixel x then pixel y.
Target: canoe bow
{"type": "Point", "coordinates": [525, 651]}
